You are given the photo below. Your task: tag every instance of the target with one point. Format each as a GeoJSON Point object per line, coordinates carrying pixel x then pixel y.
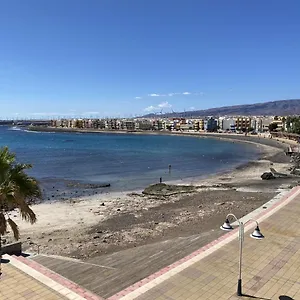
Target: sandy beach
{"type": "Point", "coordinates": [92, 226]}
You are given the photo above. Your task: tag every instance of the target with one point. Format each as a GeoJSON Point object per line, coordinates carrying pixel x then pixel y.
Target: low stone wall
{"type": "Point", "coordinates": [13, 248]}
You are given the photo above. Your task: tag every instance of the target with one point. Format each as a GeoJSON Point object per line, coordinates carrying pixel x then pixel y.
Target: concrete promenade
{"type": "Point", "coordinates": [17, 285]}
{"type": "Point", "coordinates": [271, 267]}
{"type": "Point", "coordinates": [23, 279]}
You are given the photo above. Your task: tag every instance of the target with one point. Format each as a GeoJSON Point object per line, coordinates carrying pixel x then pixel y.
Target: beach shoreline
{"type": "Point", "coordinates": [100, 224]}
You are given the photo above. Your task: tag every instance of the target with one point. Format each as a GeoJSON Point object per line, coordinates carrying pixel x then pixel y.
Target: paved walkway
{"type": "Point", "coordinates": [271, 267]}
{"type": "Point", "coordinates": [17, 285]}
{"type": "Point", "coordinates": [23, 279]}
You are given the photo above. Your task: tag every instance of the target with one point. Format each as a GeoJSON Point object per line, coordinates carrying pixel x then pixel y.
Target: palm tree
{"type": "Point", "coordinates": [16, 188]}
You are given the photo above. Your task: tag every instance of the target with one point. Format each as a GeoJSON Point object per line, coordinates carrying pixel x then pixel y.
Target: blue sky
{"type": "Point", "coordinates": [128, 57]}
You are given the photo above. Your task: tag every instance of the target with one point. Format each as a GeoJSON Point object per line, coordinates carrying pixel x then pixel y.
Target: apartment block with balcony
{"type": "Point", "coordinates": [243, 123]}
{"type": "Point", "coordinates": [157, 125]}
{"type": "Point", "coordinates": [144, 125]}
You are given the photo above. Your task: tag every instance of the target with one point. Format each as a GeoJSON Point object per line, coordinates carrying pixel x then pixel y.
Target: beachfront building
{"type": "Point", "coordinates": [168, 125]}
{"type": "Point", "coordinates": [185, 127]}
{"type": "Point", "coordinates": [144, 125]}
{"type": "Point", "coordinates": [113, 124]}
{"type": "Point", "coordinates": [280, 123]}
{"type": "Point", "coordinates": [128, 125]}
{"type": "Point", "coordinates": [211, 124]}
{"type": "Point", "coordinates": [243, 123]}
{"type": "Point", "coordinates": [201, 124]}
{"type": "Point", "coordinates": [99, 124]}
{"type": "Point", "coordinates": [227, 124]}
{"type": "Point", "coordinates": [157, 125]}
{"type": "Point", "coordinates": [198, 124]}
{"type": "Point", "coordinates": [262, 124]}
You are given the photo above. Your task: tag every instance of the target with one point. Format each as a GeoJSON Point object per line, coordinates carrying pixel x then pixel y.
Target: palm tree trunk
{"type": "Point", "coordinates": [0, 255]}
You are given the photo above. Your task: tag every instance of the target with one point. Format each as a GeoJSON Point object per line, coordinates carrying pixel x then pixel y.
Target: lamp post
{"type": "Point", "coordinates": [256, 234]}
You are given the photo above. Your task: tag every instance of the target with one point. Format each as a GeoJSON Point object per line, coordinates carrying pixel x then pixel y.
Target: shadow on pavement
{"type": "Point", "coordinates": [25, 254]}
{"type": "Point", "coordinates": [249, 296]}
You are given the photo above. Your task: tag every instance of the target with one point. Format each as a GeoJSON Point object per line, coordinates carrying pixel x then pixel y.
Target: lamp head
{"type": "Point", "coordinates": [226, 226]}
{"type": "Point", "coordinates": [256, 234]}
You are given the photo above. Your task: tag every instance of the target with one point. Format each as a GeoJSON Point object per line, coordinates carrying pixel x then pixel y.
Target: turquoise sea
{"type": "Point", "coordinates": [126, 161]}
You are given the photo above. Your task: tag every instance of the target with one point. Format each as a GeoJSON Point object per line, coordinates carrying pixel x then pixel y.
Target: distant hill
{"type": "Point", "coordinates": [272, 108]}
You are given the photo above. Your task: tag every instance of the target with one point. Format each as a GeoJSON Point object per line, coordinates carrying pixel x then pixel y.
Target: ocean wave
{"type": "Point", "coordinates": [15, 128]}
{"type": "Point", "coordinates": [31, 131]}
{"type": "Point", "coordinates": [34, 131]}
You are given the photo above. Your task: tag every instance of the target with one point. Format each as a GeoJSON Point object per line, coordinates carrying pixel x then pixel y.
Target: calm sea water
{"type": "Point", "coordinates": [125, 161]}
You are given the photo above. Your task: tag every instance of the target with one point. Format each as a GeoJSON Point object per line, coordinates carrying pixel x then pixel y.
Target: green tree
{"type": "Point", "coordinates": [273, 126]}
{"type": "Point", "coordinates": [16, 189]}
{"type": "Point", "coordinates": [293, 124]}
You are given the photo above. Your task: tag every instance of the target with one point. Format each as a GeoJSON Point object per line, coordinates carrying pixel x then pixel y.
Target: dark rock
{"type": "Point", "coordinates": [118, 209]}
{"type": "Point", "coordinates": [162, 189]}
{"type": "Point", "coordinates": [88, 185]}
{"type": "Point", "coordinates": [102, 204]}
{"type": "Point", "coordinates": [267, 176]}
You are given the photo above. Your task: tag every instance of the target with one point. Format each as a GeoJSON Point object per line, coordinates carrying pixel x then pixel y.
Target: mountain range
{"type": "Point", "coordinates": [271, 108]}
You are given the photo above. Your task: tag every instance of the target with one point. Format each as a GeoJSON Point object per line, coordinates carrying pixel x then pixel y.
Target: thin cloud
{"type": "Point", "coordinates": [165, 104]}
{"type": "Point", "coordinates": [159, 107]}
{"type": "Point", "coordinates": [90, 113]}
{"type": "Point", "coordinates": [154, 95]}
{"type": "Point", "coordinates": [150, 108]}
{"type": "Point", "coordinates": [172, 94]}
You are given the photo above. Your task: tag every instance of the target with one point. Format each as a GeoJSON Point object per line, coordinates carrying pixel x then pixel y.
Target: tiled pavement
{"type": "Point", "coordinates": [17, 285]}
{"type": "Point", "coordinates": [24, 279]}
{"type": "Point", "coordinates": [271, 267]}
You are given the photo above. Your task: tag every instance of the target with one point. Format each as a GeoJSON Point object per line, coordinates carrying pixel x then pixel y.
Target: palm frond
{"type": "Point", "coordinates": [26, 212]}
{"type": "Point", "coordinates": [14, 227]}
{"type": "Point", "coordinates": [3, 224]}
{"type": "Point", "coordinates": [27, 185]}
{"type": "Point", "coordinates": [16, 186]}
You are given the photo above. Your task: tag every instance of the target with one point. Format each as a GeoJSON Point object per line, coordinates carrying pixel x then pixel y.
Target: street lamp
{"type": "Point", "coordinates": [256, 234]}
